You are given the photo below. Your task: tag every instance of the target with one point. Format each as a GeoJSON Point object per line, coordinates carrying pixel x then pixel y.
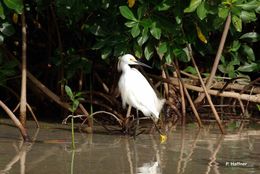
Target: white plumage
{"type": "Point", "coordinates": [135, 89]}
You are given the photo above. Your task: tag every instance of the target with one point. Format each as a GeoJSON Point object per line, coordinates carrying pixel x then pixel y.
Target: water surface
{"type": "Point", "coordinates": [188, 150]}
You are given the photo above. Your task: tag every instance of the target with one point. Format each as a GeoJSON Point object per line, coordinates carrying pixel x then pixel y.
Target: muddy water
{"type": "Point", "coordinates": [186, 151]}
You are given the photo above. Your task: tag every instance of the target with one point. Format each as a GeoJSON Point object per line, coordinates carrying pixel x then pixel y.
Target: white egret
{"type": "Point", "coordinates": [135, 89]}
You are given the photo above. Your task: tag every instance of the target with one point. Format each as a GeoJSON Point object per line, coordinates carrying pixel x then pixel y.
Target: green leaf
{"type": "Point", "coordinates": [248, 16]}
{"type": "Point", "coordinates": [222, 68]}
{"type": "Point", "coordinates": [135, 31]}
{"type": "Point", "coordinates": [130, 24]}
{"type": "Point", "coordinates": [202, 11]}
{"type": "Point", "coordinates": [127, 13]}
{"type": "Point", "coordinates": [231, 70]}
{"type": "Point", "coordinates": [223, 12]}
{"type": "Point", "coordinates": [120, 49]}
{"type": "Point", "coordinates": [163, 6]}
{"type": "Point", "coordinates": [193, 6]}
{"type": "Point", "coordinates": [2, 14]}
{"type": "Point", "coordinates": [248, 67]}
{"type": "Point", "coordinates": [99, 44]}
{"type": "Point", "coordinates": [169, 56]}
{"type": "Point", "coordinates": [7, 29]}
{"type": "Point", "coordinates": [75, 105]}
{"type": "Point", "coordinates": [97, 30]}
{"type": "Point", "coordinates": [251, 37]}
{"type": "Point", "coordinates": [181, 54]}
{"type": "Point", "coordinates": [185, 55]}
{"type": "Point", "coordinates": [235, 46]}
{"type": "Point", "coordinates": [223, 60]}
{"type": "Point", "coordinates": [69, 92]}
{"type": "Point", "coordinates": [257, 10]}
{"type": "Point", "coordinates": [235, 59]}
{"type": "Point", "coordinates": [162, 48]}
{"type": "Point", "coordinates": [143, 38]}
{"type": "Point", "coordinates": [1, 39]}
{"type": "Point", "coordinates": [78, 94]}
{"type": "Point", "coordinates": [140, 11]}
{"type": "Point", "coordinates": [155, 31]}
{"type": "Point", "coordinates": [251, 5]}
{"type": "Point", "coordinates": [16, 5]}
{"type": "Point", "coordinates": [237, 22]}
{"type": "Point", "coordinates": [258, 106]}
{"type": "Point", "coordinates": [148, 52]}
{"type": "Point", "coordinates": [7, 68]}
{"type": "Point", "coordinates": [248, 52]}
{"type": "Point", "coordinates": [138, 50]}
{"type": "Point", "coordinates": [191, 70]}
{"type": "Point", "coordinates": [106, 53]}
{"type": "Point", "coordinates": [146, 23]}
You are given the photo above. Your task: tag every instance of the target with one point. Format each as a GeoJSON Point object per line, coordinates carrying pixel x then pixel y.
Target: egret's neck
{"type": "Point", "coordinates": [125, 67]}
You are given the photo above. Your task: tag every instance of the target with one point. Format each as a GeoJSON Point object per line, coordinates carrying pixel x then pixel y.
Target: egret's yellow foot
{"type": "Point", "coordinates": [163, 138]}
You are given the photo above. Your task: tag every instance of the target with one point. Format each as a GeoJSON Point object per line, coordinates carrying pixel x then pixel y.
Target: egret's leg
{"type": "Point", "coordinates": [128, 112]}
{"type": "Point", "coordinates": [160, 132]}
{"type": "Point", "coordinates": [137, 124]}
{"type": "Point", "coordinates": [127, 119]}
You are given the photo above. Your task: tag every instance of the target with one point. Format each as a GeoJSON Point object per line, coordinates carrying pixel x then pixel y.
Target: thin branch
{"type": "Point", "coordinates": [188, 97]}
{"type": "Point", "coordinates": [109, 113]}
{"type": "Point", "coordinates": [217, 58]}
{"type": "Point", "coordinates": [91, 115]}
{"type": "Point", "coordinates": [33, 115]}
{"type": "Point", "coordinates": [16, 121]}
{"type": "Point", "coordinates": [101, 82]}
{"type": "Point", "coordinates": [236, 95]}
{"type": "Point", "coordinates": [206, 92]}
{"type": "Point", "coordinates": [183, 103]}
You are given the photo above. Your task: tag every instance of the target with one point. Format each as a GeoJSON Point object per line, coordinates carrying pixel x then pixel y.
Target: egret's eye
{"type": "Point", "coordinates": [132, 59]}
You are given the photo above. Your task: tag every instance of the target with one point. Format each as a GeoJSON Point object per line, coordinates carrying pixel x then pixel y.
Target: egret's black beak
{"type": "Point", "coordinates": [142, 64]}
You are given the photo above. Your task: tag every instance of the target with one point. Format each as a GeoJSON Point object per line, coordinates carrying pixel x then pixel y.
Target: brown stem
{"type": "Point", "coordinates": [101, 82]}
{"type": "Point", "coordinates": [206, 92]}
{"type": "Point", "coordinates": [236, 95]}
{"type": "Point", "coordinates": [217, 58]}
{"type": "Point", "coordinates": [23, 67]}
{"type": "Point", "coordinates": [188, 97]}
{"type": "Point", "coordinates": [33, 115]}
{"type": "Point", "coordinates": [90, 119]}
{"type": "Point", "coordinates": [16, 121]}
{"type": "Point", "coordinates": [165, 85]}
{"type": "Point", "coordinates": [183, 103]}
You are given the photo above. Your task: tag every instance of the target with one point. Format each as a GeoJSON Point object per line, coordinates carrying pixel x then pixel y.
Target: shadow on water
{"type": "Point", "coordinates": [187, 150]}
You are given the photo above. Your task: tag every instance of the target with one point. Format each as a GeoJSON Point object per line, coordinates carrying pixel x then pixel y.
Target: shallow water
{"type": "Point", "coordinates": [187, 150]}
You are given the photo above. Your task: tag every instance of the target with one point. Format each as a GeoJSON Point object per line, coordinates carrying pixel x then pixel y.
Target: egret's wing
{"type": "Point", "coordinates": [141, 94]}
{"type": "Point", "coordinates": [123, 90]}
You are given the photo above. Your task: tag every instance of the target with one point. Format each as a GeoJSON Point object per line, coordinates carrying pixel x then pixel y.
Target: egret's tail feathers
{"type": "Point", "coordinates": [160, 104]}
{"type": "Point", "coordinates": [158, 109]}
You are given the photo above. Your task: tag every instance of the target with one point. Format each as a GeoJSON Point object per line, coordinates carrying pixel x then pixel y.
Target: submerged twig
{"type": "Point", "coordinates": [105, 112]}
{"type": "Point", "coordinates": [91, 115]}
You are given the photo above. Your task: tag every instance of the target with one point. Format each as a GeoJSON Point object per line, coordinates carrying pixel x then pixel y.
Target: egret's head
{"type": "Point", "coordinates": [128, 59]}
